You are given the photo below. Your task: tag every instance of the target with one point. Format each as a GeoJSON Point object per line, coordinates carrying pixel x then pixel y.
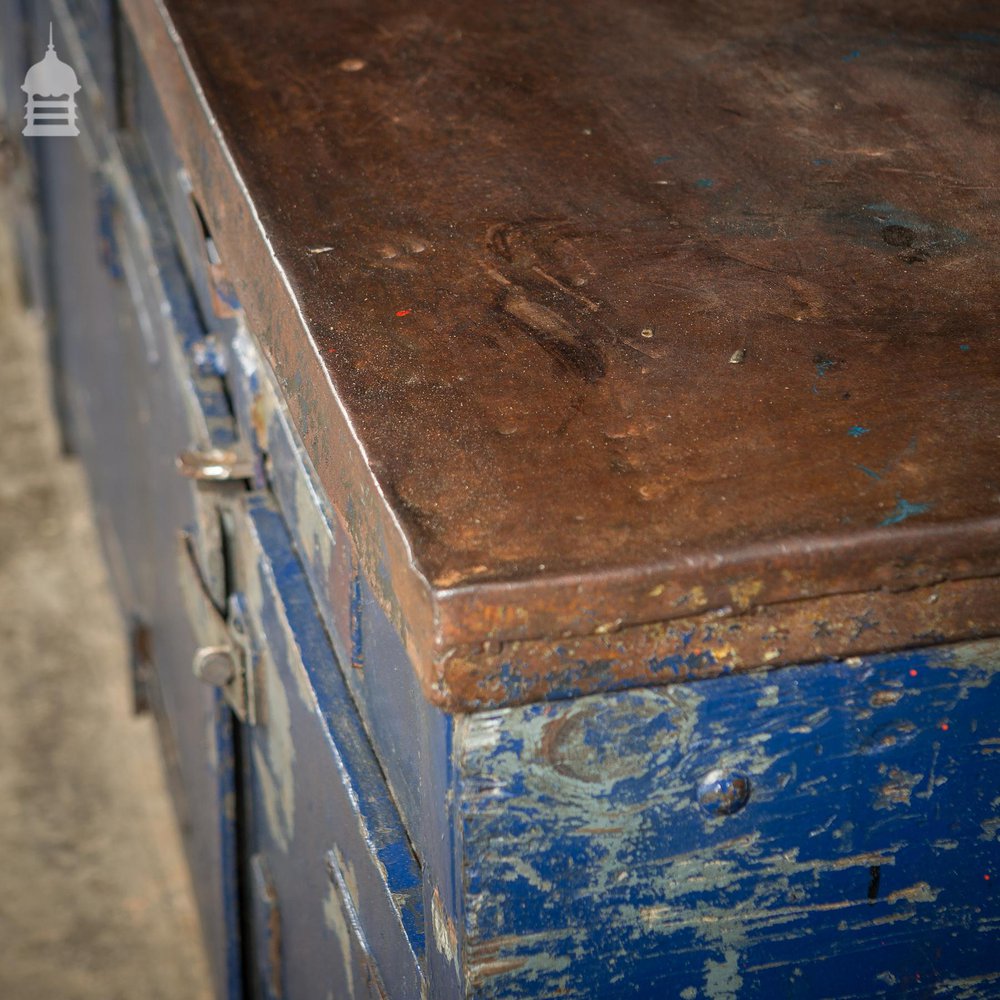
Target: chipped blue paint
{"type": "Point", "coordinates": [659, 160]}
{"type": "Point", "coordinates": [871, 473]}
{"type": "Point", "coordinates": [964, 347]}
{"type": "Point", "coordinates": [820, 161]}
{"type": "Point", "coordinates": [704, 183]}
{"type": "Point", "coordinates": [593, 867]}
{"type": "Point", "coordinates": [107, 239]}
{"type": "Point", "coordinates": [858, 431]}
{"type": "Point", "coordinates": [336, 791]}
{"type": "Point", "coordinates": [904, 509]}
{"type": "Point", "coordinates": [412, 738]}
{"type": "Point", "coordinates": [357, 634]}
{"type": "Point", "coordinates": [851, 56]}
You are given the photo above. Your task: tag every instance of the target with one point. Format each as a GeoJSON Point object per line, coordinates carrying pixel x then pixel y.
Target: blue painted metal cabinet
{"type": "Point", "coordinates": [826, 829]}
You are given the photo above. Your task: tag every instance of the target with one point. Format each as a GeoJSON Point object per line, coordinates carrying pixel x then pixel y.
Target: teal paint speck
{"type": "Point", "coordinates": [871, 473]}
{"type": "Point", "coordinates": [704, 182]}
{"type": "Point", "coordinates": [851, 56]}
{"type": "Point", "coordinates": [964, 347]}
{"type": "Point", "coordinates": [857, 430]}
{"type": "Point", "coordinates": [904, 509]}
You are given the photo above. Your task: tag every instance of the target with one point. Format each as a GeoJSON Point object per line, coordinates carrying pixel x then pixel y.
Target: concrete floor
{"type": "Point", "coordinates": [95, 902]}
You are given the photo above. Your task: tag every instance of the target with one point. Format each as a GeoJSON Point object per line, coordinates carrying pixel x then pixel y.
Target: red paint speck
{"type": "Point", "coordinates": [913, 672]}
{"type": "Point", "coordinates": [986, 878]}
{"type": "Point", "coordinates": [944, 726]}
{"type": "Point", "coordinates": [403, 312]}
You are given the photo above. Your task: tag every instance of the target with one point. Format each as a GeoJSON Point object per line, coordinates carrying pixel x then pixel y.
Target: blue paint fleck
{"type": "Point", "coordinates": [704, 182]}
{"type": "Point", "coordinates": [933, 235]}
{"type": "Point", "coordinates": [964, 347]}
{"type": "Point", "coordinates": [851, 56]}
{"type": "Point", "coordinates": [857, 430]}
{"type": "Point", "coordinates": [822, 367]}
{"type": "Point", "coordinates": [871, 473]}
{"type": "Point", "coordinates": [662, 159]}
{"type": "Point", "coordinates": [986, 37]}
{"type": "Point", "coordinates": [820, 162]}
{"type": "Point", "coordinates": [904, 509]}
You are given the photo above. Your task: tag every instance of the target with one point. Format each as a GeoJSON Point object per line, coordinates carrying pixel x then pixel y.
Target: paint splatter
{"type": "Point", "coordinates": [403, 312]}
{"type": "Point", "coordinates": [904, 509]}
{"type": "Point", "coordinates": [857, 431]}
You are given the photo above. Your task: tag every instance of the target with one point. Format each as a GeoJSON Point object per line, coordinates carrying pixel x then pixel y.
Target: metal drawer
{"type": "Point", "coordinates": [346, 887]}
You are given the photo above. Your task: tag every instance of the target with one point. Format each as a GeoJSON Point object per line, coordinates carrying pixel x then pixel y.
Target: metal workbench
{"type": "Point", "coordinates": [548, 456]}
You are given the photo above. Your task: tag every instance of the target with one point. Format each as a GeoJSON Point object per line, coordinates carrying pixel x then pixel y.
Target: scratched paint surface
{"type": "Point", "coordinates": [318, 789]}
{"type": "Point", "coordinates": [609, 850]}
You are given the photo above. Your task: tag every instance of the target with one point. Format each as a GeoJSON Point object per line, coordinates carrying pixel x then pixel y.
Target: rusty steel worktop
{"type": "Point", "coordinates": [658, 338]}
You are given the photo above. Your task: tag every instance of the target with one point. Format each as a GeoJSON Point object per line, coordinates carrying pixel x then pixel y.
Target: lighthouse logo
{"type": "Point", "coordinates": [51, 86]}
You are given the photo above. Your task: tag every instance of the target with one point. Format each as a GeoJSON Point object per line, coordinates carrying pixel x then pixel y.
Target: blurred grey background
{"type": "Point", "coordinates": [95, 900]}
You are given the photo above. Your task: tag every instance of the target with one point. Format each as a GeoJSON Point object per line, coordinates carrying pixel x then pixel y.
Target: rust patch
{"type": "Point", "coordinates": [881, 699]}
{"type": "Point", "coordinates": [898, 789]}
{"type": "Point", "coordinates": [667, 471]}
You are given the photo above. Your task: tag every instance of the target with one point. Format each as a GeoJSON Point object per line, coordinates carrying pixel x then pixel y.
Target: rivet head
{"type": "Point", "coordinates": [722, 793]}
{"type": "Point", "coordinates": [214, 665]}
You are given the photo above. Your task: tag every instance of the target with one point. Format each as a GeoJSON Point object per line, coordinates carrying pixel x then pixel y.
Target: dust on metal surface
{"type": "Point", "coordinates": [552, 234]}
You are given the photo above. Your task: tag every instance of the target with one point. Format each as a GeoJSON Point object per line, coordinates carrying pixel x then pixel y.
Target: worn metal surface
{"type": "Point", "coordinates": [679, 840]}
{"type": "Point", "coordinates": [820, 833]}
{"type": "Point", "coordinates": [316, 789]}
{"type": "Point", "coordinates": [593, 316]}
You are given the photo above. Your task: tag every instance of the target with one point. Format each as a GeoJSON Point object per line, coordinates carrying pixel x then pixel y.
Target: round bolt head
{"type": "Point", "coordinates": [214, 665]}
{"type": "Point", "coordinates": [722, 793]}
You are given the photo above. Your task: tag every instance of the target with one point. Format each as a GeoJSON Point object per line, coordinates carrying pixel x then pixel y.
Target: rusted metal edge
{"type": "Point", "coordinates": [895, 558]}
{"type": "Point", "coordinates": [275, 318]}
{"type": "Point", "coordinates": [846, 625]}
{"type": "Point", "coordinates": [625, 623]}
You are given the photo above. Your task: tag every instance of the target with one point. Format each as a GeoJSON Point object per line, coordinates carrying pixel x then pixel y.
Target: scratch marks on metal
{"type": "Point", "coordinates": [337, 921]}
{"type": "Point", "coordinates": [445, 934]}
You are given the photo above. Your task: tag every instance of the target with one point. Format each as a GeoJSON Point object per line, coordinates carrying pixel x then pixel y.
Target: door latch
{"type": "Point", "coordinates": [215, 464]}
{"type": "Point", "coordinates": [225, 657]}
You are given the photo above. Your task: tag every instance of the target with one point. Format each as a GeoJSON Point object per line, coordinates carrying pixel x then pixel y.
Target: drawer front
{"type": "Point", "coordinates": [347, 885]}
{"type": "Point", "coordinates": [826, 831]}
